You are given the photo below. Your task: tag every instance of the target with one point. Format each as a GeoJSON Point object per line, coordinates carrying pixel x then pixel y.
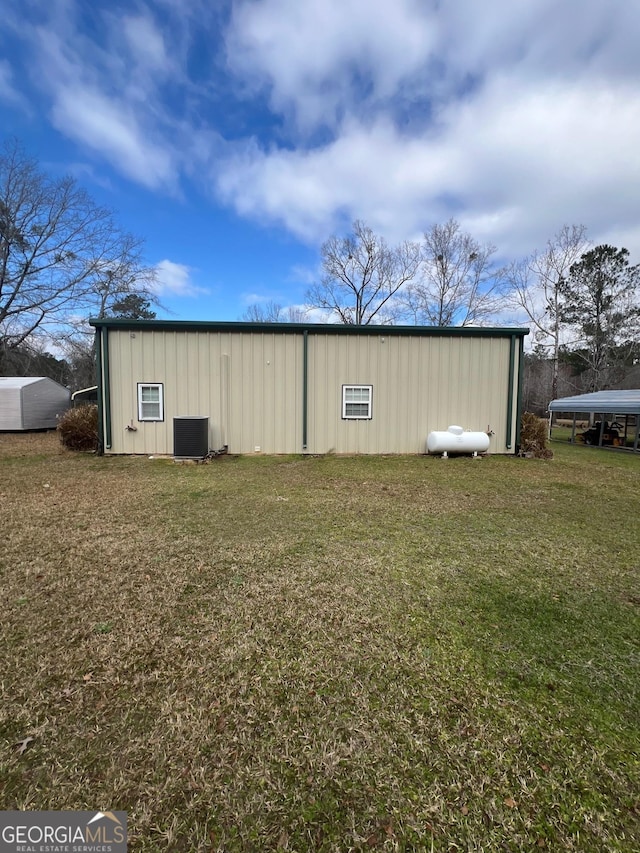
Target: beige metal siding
{"type": "Point", "coordinates": [419, 384]}
{"type": "Point", "coordinates": [250, 386]}
{"type": "Point", "coordinates": [265, 393]}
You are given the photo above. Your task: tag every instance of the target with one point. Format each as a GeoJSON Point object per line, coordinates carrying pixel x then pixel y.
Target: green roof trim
{"type": "Point", "coordinates": [310, 328]}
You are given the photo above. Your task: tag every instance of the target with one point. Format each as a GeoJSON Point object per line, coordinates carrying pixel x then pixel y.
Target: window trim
{"type": "Point", "coordinates": [367, 417]}
{"type": "Point", "coordinates": [160, 387]}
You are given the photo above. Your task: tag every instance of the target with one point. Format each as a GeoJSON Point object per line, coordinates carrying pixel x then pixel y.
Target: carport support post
{"type": "Point", "coordinates": [602, 417]}
{"type": "Point", "coordinates": [573, 430]}
{"type": "Point", "coordinates": [635, 443]}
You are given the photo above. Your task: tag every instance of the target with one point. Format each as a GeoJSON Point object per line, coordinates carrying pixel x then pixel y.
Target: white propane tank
{"type": "Point", "coordinates": [456, 440]}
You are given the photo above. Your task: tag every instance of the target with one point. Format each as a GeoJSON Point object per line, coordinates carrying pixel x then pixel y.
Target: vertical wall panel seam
{"type": "Point", "coordinates": [305, 391]}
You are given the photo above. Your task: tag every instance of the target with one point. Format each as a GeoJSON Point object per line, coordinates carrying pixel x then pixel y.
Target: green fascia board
{"type": "Point", "coordinates": [310, 328]}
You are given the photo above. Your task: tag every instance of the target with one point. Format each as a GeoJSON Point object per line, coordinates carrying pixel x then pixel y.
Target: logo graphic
{"type": "Point", "coordinates": [63, 832]}
{"type": "Point", "coordinates": [100, 815]}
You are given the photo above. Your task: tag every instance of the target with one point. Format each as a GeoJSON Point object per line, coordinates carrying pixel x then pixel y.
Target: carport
{"type": "Point", "coordinates": [618, 412]}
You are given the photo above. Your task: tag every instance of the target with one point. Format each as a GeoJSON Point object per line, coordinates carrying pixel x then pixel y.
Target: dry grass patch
{"type": "Point", "coordinates": [324, 654]}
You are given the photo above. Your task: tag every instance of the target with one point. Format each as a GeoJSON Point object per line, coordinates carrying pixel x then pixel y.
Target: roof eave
{"type": "Point", "coordinates": [312, 328]}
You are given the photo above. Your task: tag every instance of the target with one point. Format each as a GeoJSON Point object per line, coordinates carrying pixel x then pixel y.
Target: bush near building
{"type": "Point", "coordinates": [533, 437]}
{"type": "Point", "coordinates": [78, 428]}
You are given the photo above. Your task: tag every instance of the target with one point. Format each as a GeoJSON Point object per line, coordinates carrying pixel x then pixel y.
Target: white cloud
{"type": "Point", "coordinates": [324, 59]}
{"type": "Point", "coordinates": [175, 279]}
{"type": "Point", "coordinates": [87, 173]}
{"type": "Point", "coordinates": [315, 56]}
{"type": "Point", "coordinates": [105, 95]}
{"type": "Point", "coordinates": [513, 162]}
{"type": "Point", "coordinates": [105, 126]}
{"type": "Point", "coordinates": [305, 275]}
{"type": "Point", "coordinates": [145, 41]}
{"type": "Point", "coordinates": [512, 117]}
{"type": "Point", "coordinates": [255, 299]}
{"type": "Point", "coordinates": [9, 92]}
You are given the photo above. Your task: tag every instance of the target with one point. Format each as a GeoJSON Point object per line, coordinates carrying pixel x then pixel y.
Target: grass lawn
{"type": "Point", "coordinates": [324, 654]}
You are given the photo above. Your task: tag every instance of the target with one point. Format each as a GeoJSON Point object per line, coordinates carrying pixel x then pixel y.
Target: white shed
{"type": "Point", "coordinates": [31, 402]}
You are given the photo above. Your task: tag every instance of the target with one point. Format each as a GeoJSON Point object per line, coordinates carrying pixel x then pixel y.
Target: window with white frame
{"type": "Point", "coordinates": [357, 402]}
{"type": "Point", "coordinates": [150, 402]}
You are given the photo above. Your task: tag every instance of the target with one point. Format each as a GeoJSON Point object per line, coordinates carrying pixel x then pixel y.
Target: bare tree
{"type": "Point", "coordinates": [459, 284]}
{"type": "Point", "coordinates": [120, 279]}
{"type": "Point", "coordinates": [31, 359]}
{"type": "Point", "coordinates": [536, 286]}
{"type": "Point", "coordinates": [61, 255]}
{"type": "Point", "coordinates": [273, 312]}
{"type": "Point", "coordinates": [80, 355]}
{"type": "Point", "coordinates": [363, 276]}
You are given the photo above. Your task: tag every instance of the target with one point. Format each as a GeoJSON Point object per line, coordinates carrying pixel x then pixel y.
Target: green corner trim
{"type": "Point", "coordinates": [98, 355]}
{"type": "Point", "coordinates": [107, 392]}
{"type": "Point", "coordinates": [519, 402]}
{"type": "Point", "coordinates": [512, 358]}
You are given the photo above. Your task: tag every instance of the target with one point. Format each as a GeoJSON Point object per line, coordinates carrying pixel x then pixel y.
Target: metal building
{"type": "Point", "coordinates": [304, 388]}
{"type": "Point", "coordinates": [31, 402]}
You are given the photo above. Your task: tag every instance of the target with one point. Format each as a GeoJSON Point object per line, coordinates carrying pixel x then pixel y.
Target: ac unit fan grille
{"type": "Point", "coordinates": [190, 437]}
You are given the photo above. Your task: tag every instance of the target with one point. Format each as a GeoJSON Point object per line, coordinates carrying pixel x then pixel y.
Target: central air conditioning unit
{"type": "Point", "coordinates": [190, 438]}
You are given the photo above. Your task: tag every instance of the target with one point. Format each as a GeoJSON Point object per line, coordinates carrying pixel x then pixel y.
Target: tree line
{"type": "Point", "coordinates": [63, 258]}
{"type": "Point", "coordinates": [581, 302]}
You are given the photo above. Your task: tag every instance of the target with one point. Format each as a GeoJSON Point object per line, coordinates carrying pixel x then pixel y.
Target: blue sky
{"type": "Point", "coordinates": [236, 136]}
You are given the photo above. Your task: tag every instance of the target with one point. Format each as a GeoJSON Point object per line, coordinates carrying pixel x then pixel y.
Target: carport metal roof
{"type": "Point", "coordinates": [603, 402]}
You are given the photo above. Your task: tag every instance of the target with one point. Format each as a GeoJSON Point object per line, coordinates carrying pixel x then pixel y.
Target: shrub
{"type": "Point", "coordinates": [78, 428]}
{"type": "Point", "coordinates": [533, 437]}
